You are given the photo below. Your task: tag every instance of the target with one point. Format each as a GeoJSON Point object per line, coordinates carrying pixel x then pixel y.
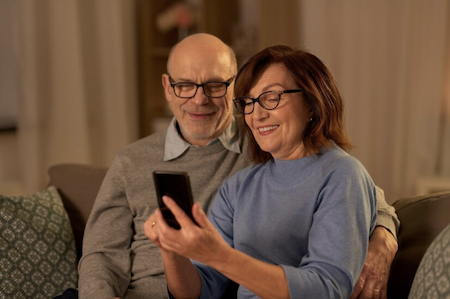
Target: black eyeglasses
{"type": "Point", "coordinates": [269, 100]}
{"type": "Point", "coordinates": [187, 90]}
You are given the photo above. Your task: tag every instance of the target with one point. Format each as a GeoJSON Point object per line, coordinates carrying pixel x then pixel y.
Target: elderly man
{"type": "Point", "coordinates": [203, 139]}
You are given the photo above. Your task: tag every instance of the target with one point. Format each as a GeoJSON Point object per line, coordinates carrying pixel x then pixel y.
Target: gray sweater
{"type": "Point", "coordinates": [118, 259]}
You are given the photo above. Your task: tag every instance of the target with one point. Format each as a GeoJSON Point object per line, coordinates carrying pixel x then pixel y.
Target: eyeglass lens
{"type": "Point", "coordinates": [267, 100]}
{"type": "Point", "coordinates": [211, 89]}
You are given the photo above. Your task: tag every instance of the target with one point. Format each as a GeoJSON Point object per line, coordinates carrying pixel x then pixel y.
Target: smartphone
{"type": "Point", "coordinates": [177, 186]}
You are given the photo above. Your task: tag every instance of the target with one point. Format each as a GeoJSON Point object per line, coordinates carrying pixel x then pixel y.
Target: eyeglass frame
{"type": "Point", "coordinates": [256, 100]}
{"type": "Point", "coordinates": [227, 84]}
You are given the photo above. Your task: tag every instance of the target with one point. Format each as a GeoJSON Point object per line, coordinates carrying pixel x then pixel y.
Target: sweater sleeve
{"type": "Point", "coordinates": [104, 269]}
{"type": "Point", "coordinates": [214, 284]}
{"type": "Point", "coordinates": [386, 214]}
{"type": "Point", "coordinates": [345, 216]}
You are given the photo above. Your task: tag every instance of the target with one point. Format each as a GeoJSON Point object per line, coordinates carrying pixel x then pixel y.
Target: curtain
{"type": "Point", "coordinates": [444, 163]}
{"type": "Point", "coordinates": [388, 58]}
{"type": "Point", "coordinates": [78, 101]}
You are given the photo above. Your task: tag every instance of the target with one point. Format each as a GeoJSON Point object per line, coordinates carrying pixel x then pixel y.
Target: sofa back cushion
{"type": "Point", "coordinates": [37, 250]}
{"type": "Point", "coordinates": [422, 218]}
{"type": "Point", "coordinates": [78, 185]}
{"type": "Point", "coordinates": [432, 278]}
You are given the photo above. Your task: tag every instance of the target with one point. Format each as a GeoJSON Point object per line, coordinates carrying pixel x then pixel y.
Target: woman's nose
{"type": "Point", "coordinates": [259, 112]}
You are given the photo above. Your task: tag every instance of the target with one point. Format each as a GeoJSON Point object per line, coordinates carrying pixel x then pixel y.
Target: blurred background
{"type": "Point", "coordinates": [81, 79]}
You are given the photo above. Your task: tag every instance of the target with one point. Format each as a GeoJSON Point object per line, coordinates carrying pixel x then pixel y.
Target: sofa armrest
{"type": "Point", "coordinates": [78, 185]}
{"type": "Point", "coordinates": [422, 218]}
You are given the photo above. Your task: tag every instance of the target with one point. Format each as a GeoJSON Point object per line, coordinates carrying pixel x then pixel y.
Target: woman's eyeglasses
{"type": "Point", "coordinates": [269, 100]}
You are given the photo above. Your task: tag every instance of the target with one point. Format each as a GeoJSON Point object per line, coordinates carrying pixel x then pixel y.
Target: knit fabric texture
{"type": "Point", "coordinates": [311, 216]}
{"type": "Point", "coordinates": [129, 263]}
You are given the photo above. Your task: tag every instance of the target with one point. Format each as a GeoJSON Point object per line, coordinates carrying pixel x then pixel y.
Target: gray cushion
{"type": "Point", "coordinates": [422, 218]}
{"type": "Point", "coordinates": [37, 249]}
{"type": "Point", "coordinates": [78, 185]}
{"type": "Point", "coordinates": [432, 278]}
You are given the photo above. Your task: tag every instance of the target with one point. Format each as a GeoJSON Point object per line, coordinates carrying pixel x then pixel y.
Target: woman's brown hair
{"type": "Point", "coordinates": [320, 94]}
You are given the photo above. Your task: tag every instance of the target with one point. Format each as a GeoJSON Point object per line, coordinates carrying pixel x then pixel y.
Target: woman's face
{"type": "Point", "coordinates": [279, 131]}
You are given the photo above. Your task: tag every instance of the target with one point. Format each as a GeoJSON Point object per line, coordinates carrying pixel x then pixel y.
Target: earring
{"type": "Point", "coordinates": [310, 119]}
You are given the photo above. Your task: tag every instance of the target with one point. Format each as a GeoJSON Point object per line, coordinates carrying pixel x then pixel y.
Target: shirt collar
{"type": "Point", "coordinates": [175, 144]}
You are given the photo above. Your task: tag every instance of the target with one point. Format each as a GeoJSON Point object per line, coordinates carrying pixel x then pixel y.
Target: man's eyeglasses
{"type": "Point", "coordinates": [269, 100]}
{"type": "Point", "coordinates": [187, 90]}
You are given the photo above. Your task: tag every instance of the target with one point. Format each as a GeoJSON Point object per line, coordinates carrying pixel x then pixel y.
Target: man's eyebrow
{"type": "Point", "coordinates": [180, 80]}
{"type": "Point", "coordinates": [216, 79]}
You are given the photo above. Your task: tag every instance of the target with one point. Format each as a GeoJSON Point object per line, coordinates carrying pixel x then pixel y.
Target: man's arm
{"type": "Point", "coordinates": [383, 246]}
{"type": "Point", "coordinates": [386, 214]}
{"type": "Point", "coordinates": [104, 269]}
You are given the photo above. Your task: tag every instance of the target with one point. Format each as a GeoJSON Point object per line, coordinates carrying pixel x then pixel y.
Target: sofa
{"type": "Point", "coordinates": [422, 219]}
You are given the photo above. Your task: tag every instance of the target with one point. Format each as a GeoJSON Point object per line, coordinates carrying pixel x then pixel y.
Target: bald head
{"type": "Point", "coordinates": [201, 50]}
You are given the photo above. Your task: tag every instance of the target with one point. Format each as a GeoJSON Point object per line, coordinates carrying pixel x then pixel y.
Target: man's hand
{"type": "Point", "coordinates": [372, 282]}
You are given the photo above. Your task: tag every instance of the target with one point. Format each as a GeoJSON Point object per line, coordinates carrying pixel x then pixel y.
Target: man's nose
{"type": "Point", "coordinates": [200, 97]}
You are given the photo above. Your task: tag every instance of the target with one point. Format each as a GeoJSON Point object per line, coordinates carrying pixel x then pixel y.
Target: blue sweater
{"type": "Point", "coordinates": [311, 216]}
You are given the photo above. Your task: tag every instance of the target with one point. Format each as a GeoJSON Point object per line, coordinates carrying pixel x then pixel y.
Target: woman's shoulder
{"type": "Point", "coordinates": [246, 172]}
{"type": "Point", "coordinates": [336, 159]}
{"type": "Point", "coordinates": [342, 170]}
{"type": "Point", "coordinates": [242, 177]}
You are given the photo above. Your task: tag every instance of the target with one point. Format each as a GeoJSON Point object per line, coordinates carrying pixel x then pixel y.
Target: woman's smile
{"type": "Point", "coordinates": [267, 129]}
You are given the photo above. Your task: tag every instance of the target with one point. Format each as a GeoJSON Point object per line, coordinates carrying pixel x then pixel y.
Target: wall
{"type": "Point", "coordinates": [77, 82]}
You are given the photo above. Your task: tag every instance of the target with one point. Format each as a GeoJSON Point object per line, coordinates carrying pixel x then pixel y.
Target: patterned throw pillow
{"type": "Point", "coordinates": [37, 249]}
{"type": "Point", "coordinates": [432, 279]}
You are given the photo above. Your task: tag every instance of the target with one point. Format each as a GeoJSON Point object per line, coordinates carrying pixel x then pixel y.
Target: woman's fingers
{"type": "Point", "coordinates": [181, 217]}
{"type": "Point", "coordinates": [149, 229]}
{"type": "Point", "coordinates": [192, 241]}
{"type": "Point", "coordinates": [200, 216]}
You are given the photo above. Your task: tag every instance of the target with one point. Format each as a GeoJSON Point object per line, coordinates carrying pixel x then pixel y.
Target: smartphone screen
{"type": "Point", "coordinates": [177, 186]}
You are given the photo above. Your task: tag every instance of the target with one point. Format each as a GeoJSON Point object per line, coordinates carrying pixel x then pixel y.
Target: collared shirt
{"type": "Point", "coordinates": [175, 144]}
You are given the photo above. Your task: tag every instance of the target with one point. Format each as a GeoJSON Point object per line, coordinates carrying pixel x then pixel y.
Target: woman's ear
{"type": "Point", "coordinates": [311, 113]}
{"type": "Point", "coordinates": [168, 91]}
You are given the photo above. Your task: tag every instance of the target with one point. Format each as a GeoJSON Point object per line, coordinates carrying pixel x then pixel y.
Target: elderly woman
{"type": "Point", "coordinates": [295, 225]}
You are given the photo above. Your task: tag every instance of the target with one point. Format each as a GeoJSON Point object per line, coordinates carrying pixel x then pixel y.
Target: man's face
{"type": "Point", "coordinates": [201, 118]}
